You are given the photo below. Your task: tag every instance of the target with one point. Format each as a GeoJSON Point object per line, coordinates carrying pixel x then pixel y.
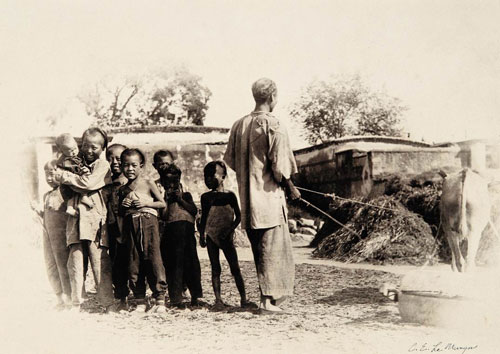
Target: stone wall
{"type": "Point", "coordinates": [360, 168]}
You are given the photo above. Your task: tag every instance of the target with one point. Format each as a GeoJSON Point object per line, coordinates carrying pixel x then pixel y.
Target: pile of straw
{"type": "Point", "coordinates": [380, 235]}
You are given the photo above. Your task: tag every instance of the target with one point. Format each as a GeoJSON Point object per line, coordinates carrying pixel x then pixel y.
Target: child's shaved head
{"type": "Point", "coordinates": [49, 166]}
{"type": "Point", "coordinates": [65, 139]}
{"type": "Point", "coordinates": [67, 145]}
{"type": "Point", "coordinates": [95, 131]}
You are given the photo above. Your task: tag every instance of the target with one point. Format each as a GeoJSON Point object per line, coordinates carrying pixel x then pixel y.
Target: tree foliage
{"type": "Point", "coordinates": [160, 98]}
{"type": "Point", "coordinates": [332, 109]}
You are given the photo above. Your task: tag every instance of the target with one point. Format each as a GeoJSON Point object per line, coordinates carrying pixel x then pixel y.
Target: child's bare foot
{"type": "Point", "coordinates": [248, 304]}
{"type": "Point", "coordinates": [60, 306]}
{"type": "Point", "coordinates": [140, 306]}
{"type": "Point", "coordinates": [178, 305]}
{"type": "Point", "coordinates": [71, 211]}
{"type": "Point", "coordinates": [75, 309]}
{"type": "Point", "coordinates": [85, 200]}
{"type": "Point", "coordinates": [197, 302]}
{"type": "Point", "coordinates": [106, 309]}
{"type": "Point", "coordinates": [123, 305]}
{"type": "Point", "coordinates": [159, 306]}
{"type": "Point", "coordinates": [219, 304]}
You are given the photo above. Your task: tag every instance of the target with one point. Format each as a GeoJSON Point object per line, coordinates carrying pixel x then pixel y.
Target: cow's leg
{"type": "Point", "coordinates": [453, 261]}
{"type": "Point", "coordinates": [457, 261]}
{"type": "Point", "coordinates": [472, 246]}
{"type": "Point", "coordinates": [476, 229]}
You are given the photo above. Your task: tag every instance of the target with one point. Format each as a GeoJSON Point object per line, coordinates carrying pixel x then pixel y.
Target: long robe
{"type": "Point", "coordinates": [259, 152]}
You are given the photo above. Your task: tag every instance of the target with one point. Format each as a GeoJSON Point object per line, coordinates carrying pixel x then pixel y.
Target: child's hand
{"type": "Point", "coordinates": [37, 207]}
{"type": "Point", "coordinates": [85, 170]}
{"type": "Point", "coordinates": [34, 205]}
{"type": "Point", "coordinates": [138, 204]}
{"type": "Point", "coordinates": [127, 203]}
{"type": "Point", "coordinates": [203, 241]}
{"type": "Point", "coordinates": [229, 235]}
{"type": "Point", "coordinates": [178, 195]}
{"type": "Point", "coordinates": [174, 196]}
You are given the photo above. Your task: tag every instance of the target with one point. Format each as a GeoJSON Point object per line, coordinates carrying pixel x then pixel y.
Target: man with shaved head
{"type": "Point", "coordinates": [259, 152]}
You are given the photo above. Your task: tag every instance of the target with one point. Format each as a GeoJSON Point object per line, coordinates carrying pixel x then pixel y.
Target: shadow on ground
{"type": "Point", "coordinates": [355, 296]}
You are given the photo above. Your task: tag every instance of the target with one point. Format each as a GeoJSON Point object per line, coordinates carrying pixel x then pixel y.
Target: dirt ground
{"type": "Point", "coordinates": [336, 309]}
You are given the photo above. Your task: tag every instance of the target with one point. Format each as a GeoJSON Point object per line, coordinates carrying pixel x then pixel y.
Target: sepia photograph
{"type": "Point", "coordinates": [215, 176]}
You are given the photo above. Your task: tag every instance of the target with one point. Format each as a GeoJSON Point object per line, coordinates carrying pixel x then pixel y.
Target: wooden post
{"type": "Point", "coordinates": [478, 156]}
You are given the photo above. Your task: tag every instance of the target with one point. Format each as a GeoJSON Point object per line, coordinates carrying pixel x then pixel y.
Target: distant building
{"type": "Point", "coordinates": [359, 166]}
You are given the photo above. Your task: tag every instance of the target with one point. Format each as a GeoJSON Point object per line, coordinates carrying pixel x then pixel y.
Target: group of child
{"type": "Point", "coordinates": [145, 229]}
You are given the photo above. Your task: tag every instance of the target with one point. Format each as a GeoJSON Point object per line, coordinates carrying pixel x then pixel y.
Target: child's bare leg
{"type": "Point", "coordinates": [213, 254]}
{"type": "Point", "coordinates": [216, 287]}
{"type": "Point", "coordinates": [60, 302]}
{"type": "Point", "coordinates": [232, 259]}
{"type": "Point", "coordinates": [72, 206]}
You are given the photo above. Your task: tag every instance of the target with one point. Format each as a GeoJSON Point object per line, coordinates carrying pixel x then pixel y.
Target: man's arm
{"type": "Point", "coordinates": [93, 181]}
{"type": "Point", "coordinates": [229, 157]}
{"type": "Point", "coordinates": [282, 160]}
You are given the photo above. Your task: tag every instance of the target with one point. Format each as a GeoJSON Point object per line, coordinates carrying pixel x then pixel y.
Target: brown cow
{"type": "Point", "coordinates": [465, 212]}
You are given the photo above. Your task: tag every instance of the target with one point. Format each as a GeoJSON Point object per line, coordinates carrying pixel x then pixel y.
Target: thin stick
{"type": "Point", "coordinates": [351, 200]}
{"type": "Point", "coordinates": [330, 217]}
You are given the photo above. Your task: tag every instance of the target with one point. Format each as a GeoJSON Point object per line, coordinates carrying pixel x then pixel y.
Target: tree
{"type": "Point", "coordinates": [162, 97]}
{"type": "Point", "coordinates": [109, 101]}
{"type": "Point", "coordinates": [179, 99]}
{"type": "Point", "coordinates": [332, 109]}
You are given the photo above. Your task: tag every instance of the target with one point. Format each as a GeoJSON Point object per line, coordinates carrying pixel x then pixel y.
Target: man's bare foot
{"type": "Point", "coordinates": [269, 308]}
{"type": "Point", "coordinates": [279, 301]}
{"type": "Point", "coordinates": [266, 305]}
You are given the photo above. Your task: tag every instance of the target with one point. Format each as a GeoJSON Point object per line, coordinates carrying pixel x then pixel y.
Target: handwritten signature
{"type": "Point", "coordinates": [440, 347]}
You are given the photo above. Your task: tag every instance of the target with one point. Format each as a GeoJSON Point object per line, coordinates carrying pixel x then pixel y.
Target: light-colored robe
{"type": "Point", "coordinates": [259, 152]}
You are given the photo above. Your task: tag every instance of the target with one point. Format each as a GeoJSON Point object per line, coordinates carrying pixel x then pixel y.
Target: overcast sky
{"type": "Point", "coordinates": [441, 58]}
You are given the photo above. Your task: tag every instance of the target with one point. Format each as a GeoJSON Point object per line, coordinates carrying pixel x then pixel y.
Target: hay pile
{"type": "Point", "coordinates": [381, 235]}
{"type": "Point", "coordinates": [421, 195]}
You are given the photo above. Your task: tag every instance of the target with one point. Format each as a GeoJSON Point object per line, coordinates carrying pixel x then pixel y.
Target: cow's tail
{"type": "Point", "coordinates": [463, 229]}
